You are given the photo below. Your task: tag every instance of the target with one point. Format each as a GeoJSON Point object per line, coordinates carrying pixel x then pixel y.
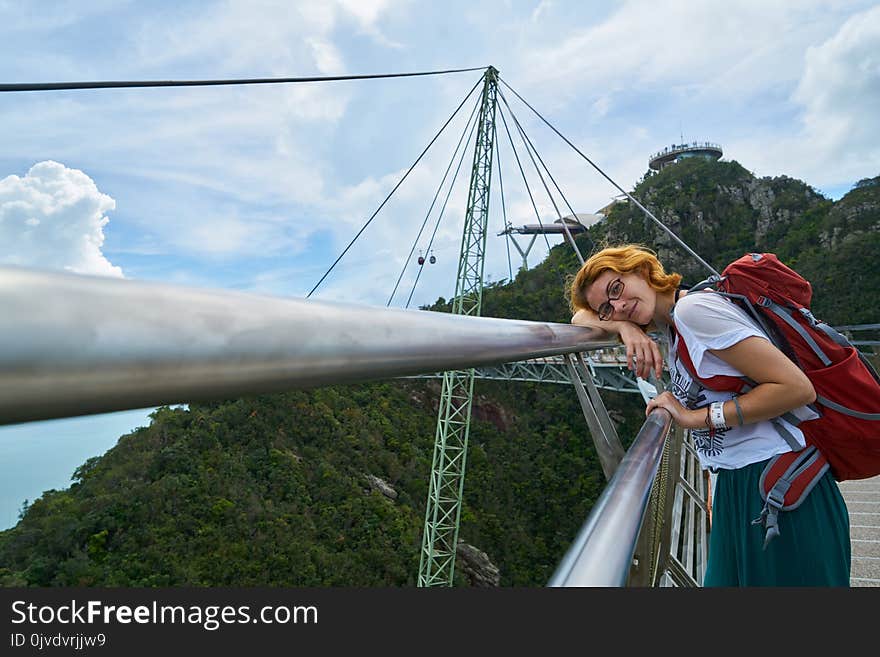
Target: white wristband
{"type": "Point", "coordinates": [716, 415]}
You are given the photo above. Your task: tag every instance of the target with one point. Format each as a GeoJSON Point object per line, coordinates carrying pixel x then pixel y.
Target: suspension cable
{"type": "Point", "coordinates": [552, 179]}
{"type": "Point", "coordinates": [525, 180]}
{"type": "Point", "coordinates": [529, 148]}
{"type": "Point", "coordinates": [443, 209]}
{"type": "Point", "coordinates": [503, 209]}
{"type": "Point", "coordinates": [57, 86]}
{"type": "Point", "coordinates": [399, 182]}
{"type": "Point", "coordinates": [623, 191]}
{"type": "Point", "coordinates": [434, 201]}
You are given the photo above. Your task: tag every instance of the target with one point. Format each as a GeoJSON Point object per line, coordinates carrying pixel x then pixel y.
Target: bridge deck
{"type": "Point", "coordinates": [863, 501]}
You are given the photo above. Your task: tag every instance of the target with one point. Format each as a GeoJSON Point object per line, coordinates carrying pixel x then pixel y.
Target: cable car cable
{"type": "Point", "coordinates": [436, 195]}
{"type": "Point", "coordinates": [442, 209]}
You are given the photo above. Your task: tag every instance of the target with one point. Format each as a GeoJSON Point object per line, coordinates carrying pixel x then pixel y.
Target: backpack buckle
{"type": "Point", "coordinates": [763, 301]}
{"type": "Point", "coordinates": [809, 316]}
{"type": "Point", "coordinates": [776, 497]}
{"type": "Point", "coordinates": [769, 520]}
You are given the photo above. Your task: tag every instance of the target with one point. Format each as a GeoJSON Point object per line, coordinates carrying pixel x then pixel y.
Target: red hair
{"type": "Point", "coordinates": [622, 259]}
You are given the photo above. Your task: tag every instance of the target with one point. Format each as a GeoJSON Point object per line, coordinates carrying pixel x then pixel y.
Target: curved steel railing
{"type": "Point", "coordinates": [602, 552]}
{"type": "Point", "coordinates": [76, 345]}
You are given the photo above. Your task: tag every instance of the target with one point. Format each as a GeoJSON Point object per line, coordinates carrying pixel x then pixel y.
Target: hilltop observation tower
{"type": "Point", "coordinates": [676, 152]}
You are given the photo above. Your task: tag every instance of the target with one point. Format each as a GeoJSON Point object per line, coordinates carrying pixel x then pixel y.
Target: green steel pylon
{"type": "Point", "coordinates": [437, 563]}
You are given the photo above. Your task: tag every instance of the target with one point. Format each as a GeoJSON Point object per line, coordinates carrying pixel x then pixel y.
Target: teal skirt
{"type": "Point", "coordinates": [813, 548]}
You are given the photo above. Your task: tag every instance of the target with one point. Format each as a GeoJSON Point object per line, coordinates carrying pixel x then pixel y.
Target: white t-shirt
{"type": "Point", "coordinates": [710, 321]}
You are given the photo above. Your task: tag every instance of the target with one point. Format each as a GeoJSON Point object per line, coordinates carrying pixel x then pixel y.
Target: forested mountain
{"type": "Point", "coordinates": [722, 211]}
{"type": "Point", "coordinates": [328, 487]}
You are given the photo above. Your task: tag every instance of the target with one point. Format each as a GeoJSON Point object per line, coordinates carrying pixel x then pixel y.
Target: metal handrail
{"type": "Point", "coordinates": [76, 345]}
{"type": "Point", "coordinates": [602, 552]}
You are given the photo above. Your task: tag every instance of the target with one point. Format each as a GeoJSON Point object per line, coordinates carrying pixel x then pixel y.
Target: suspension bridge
{"type": "Point", "coordinates": [76, 345]}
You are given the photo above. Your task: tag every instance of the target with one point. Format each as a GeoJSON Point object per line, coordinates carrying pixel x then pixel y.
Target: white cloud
{"type": "Point", "coordinates": [236, 146]}
{"type": "Point", "coordinates": [840, 92]}
{"type": "Point", "coordinates": [832, 139]}
{"type": "Point", "coordinates": [667, 40]}
{"type": "Point", "coordinates": [54, 217]}
{"type": "Point", "coordinates": [726, 52]}
{"type": "Point", "coordinates": [16, 16]}
{"type": "Point", "coordinates": [328, 59]}
{"type": "Point", "coordinates": [367, 13]}
{"type": "Point", "coordinates": [786, 87]}
{"type": "Point", "coordinates": [542, 7]}
{"type": "Point", "coordinates": [259, 34]}
{"type": "Point", "coordinates": [227, 175]}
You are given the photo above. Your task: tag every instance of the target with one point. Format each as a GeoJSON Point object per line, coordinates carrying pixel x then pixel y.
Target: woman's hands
{"type": "Point", "coordinates": [682, 416]}
{"type": "Point", "coordinates": [642, 353]}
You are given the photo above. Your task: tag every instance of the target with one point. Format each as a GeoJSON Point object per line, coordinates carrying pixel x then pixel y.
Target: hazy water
{"type": "Point", "coordinates": [40, 456]}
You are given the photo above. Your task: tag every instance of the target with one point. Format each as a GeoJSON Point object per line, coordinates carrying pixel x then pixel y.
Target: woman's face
{"type": "Point", "coordinates": [634, 303]}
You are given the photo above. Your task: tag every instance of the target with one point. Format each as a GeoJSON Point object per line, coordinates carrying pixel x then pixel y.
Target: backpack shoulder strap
{"type": "Point", "coordinates": [711, 283]}
{"type": "Point", "coordinates": [719, 382]}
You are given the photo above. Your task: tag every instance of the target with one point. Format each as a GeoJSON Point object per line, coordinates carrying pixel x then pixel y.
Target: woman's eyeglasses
{"type": "Point", "coordinates": [614, 290]}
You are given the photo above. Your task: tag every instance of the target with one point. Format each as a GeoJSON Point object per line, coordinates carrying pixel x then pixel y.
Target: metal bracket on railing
{"type": "Point", "coordinates": [608, 447]}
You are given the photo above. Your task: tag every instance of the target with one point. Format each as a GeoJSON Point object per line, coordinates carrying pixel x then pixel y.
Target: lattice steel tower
{"type": "Point", "coordinates": [440, 537]}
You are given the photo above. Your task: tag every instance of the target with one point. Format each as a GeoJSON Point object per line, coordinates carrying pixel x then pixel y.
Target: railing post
{"type": "Point", "coordinates": [608, 447]}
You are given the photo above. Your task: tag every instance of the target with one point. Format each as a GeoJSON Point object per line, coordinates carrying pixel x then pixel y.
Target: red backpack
{"type": "Point", "coordinates": [847, 433]}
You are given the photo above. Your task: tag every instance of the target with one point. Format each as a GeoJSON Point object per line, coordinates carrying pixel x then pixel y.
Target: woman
{"type": "Point", "coordinates": [625, 290]}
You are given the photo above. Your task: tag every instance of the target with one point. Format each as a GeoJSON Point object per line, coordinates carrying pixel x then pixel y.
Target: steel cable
{"type": "Point", "coordinates": [408, 171]}
{"type": "Point", "coordinates": [618, 187]}
{"type": "Point", "coordinates": [64, 86]}
{"type": "Point", "coordinates": [434, 201]}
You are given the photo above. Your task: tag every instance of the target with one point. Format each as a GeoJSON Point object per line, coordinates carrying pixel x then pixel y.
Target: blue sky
{"type": "Point", "coordinates": [259, 188]}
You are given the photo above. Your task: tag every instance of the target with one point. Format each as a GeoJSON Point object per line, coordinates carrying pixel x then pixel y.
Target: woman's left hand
{"type": "Point", "coordinates": [682, 416]}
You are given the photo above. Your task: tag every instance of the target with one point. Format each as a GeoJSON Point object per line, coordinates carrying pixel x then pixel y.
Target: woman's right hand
{"type": "Point", "coordinates": [642, 353]}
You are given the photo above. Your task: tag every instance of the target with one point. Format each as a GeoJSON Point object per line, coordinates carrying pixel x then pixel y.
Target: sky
{"type": "Point", "coordinates": [260, 188]}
